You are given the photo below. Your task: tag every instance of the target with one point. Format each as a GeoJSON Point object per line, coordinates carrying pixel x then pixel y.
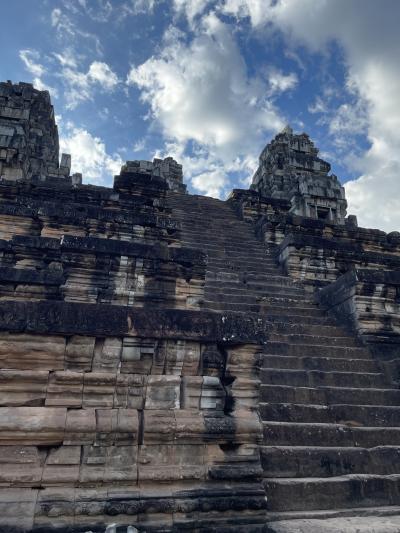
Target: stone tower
{"type": "Point", "coordinates": [290, 169]}
{"type": "Point", "coordinates": [28, 135]}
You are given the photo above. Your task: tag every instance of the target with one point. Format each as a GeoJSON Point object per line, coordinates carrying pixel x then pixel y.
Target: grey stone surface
{"type": "Point", "coordinates": [28, 135]}
{"type": "Point", "coordinates": [290, 169]}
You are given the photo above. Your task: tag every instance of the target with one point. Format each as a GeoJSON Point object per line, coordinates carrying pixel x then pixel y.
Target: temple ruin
{"type": "Point", "coordinates": [172, 362]}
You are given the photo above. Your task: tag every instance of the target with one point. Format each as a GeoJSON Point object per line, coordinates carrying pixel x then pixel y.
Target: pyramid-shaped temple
{"type": "Point", "coordinates": [172, 362]}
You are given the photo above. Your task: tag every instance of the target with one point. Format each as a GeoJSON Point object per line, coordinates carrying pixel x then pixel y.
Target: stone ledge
{"type": "Point", "coordinates": [68, 318]}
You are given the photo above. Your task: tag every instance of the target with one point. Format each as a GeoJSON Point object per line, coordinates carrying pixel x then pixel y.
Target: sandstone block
{"type": "Point", "coordinates": [163, 392]}
{"type": "Point", "coordinates": [191, 392]}
{"type": "Point", "coordinates": [62, 466]}
{"type": "Point", "coordinates": [107, 355]}
{"type": "Point", "coordinates": [80, 427]}
{"type": "Point", "coordinates": [65, 389]}
{"type": "Point", "coordinates": [23, 387]}
{"type": "Point", "coordinates": [79, 353]}
{"type": "Point", "coordinates": [129, 391]}
{"type": "Point", "coordinates": [169, 462]}
{"type": "Point", "coordinates": [17, 508]}
{"type": "Point", "coordinates": [98, 389]}
{"type": "Point", "coordinates": [31, 352]}
{"type": "Point", "coordinates": [20, 465]}
{"type": "Point", "coordinates": [137, 355]}
{"type": "Point", "coordinates": [32, 425]}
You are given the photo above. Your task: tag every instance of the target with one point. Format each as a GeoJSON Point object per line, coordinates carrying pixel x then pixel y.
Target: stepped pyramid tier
{"type": "Point", "coordinates": [290, 169]}
{"type": "Point", "coordinates": [174, 362]}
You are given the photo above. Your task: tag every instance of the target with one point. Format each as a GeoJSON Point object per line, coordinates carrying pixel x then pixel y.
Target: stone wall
{"type": "Point", "coordinates": [369, 300]}
{"type": "Point", "coordinates": [28, 134]}
{"type": "Point", "coordinates": [120, 401]}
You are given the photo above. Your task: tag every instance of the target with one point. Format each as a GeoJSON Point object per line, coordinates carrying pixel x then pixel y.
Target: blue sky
{"type": "Point", "coordinates": [211, 82]}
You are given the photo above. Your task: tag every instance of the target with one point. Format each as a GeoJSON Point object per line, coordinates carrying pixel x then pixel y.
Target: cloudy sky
{"type": "Point", "coordinates": [210, 82]}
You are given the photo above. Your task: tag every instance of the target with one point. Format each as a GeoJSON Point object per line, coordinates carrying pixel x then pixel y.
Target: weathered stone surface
{"type": "Point", "coordinates": [158, 370]}
{"type": "Point", "coordinates": [290, 170]}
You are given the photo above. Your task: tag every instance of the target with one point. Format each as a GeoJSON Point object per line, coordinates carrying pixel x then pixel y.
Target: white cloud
{"type": "Point", "coordinates": [67, 30]}
{"type": "Point", "coordinates": [200, 92]}
{"type": "Point", "coordinates": [67, 58]}
{"type": "Point", "coordinates": [368, 34]}
{"type": "Point", "coordinates": [139, 145]}
{"type": "Point", "coordinates": [280, 82]}
{"type": "Point", "coordinates": [89, 155]}
{"type": "Point", "coordinates": [98, 10]}
{"type": "Point", "coordinates": [79, 85]}
{"type": "Point", "coordinates": [135, 7]}
{"type": "Point", "coordinates": [142, 6]}
{"type": "Point", "coordinates": [101, 73]}
{"type": "Point", "coordinates": [211, 183]}
{"type": "Point", "coordinates": [319, 106]}
{"type": "Point", "coordinates": [191, 8]}
{"type": "Point", "coordinates": [31, 60]}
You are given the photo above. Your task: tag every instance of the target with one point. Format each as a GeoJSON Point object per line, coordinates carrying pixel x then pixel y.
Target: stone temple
{"type": "Point", "coordinates": [172, 362]}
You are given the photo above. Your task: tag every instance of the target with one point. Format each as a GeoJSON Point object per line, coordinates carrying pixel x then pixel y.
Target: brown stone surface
{"type": "Point", "coordinates": [158, 369]}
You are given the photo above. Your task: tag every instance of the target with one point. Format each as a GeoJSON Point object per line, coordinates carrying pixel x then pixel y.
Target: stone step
{"type": "Point", "coordinates": [254, 286]}
{"type": "Point", "coordinates": [353, 490]}
{"type": "Point", "coordinates": [384, 519]}
{"type": "Point", "coordinates": [321, 363]}
{"type": "Point", "coordinates": [320, 318]}
{"type": "Point", "coordinates": [314, 461]}
{"type": "Point", "coordinates": [325, 330]}
{"type": "Point", "coordinates": [225, 307]}
{"type": "Point", "coordinates": [329, 395]}
{"type": "Point", "coordinates": [250, 275]}
{"type": "Point", "coordinates": [320, 340]}
{"type": "Point", "coordinates": [356, 415]}
{"type": "Point", "coordinates": [285, 307]}
{"type": "Point", "coordinates": [222, 241]}
{"type": "Point", "coordinates": [319, 378]}
{"type": "Point", "coordinates": [272, 289]}
{"type": "Point", "coordinates": [322, 434]}
{"type": "Point", "coordinates": [318, 350]}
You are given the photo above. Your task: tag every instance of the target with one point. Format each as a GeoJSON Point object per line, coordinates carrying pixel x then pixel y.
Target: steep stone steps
{"type": "Point", "coordinates": [318, 350]}
{"type": "Point", "coordinates": [354, 520]}
{"type": "Point", "coordinates": [331, 416]}
{"type": "Point", "coordinates": [250, 284]}
{"type": "Point", "coordinates": [325, 434]}
{"type": "Point", "coordinates": [352, 490]}
{"type": "Point", "coordinates": [273, 289]}
{"type": "Point", "coordinates": [325, 395]}
{"type": "Point", "coordinates": [317, 378]}
{"type": "Point", "coordinates": [308, 338]}
{"type": "Point", "coordinates": [326, 462]}
{"type": "Point", "coordinates": [320, 363]}
{"type": "Point", "coordinates": [358, 415]}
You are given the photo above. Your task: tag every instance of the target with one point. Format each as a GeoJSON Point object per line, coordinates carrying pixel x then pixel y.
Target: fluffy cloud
{"type": "Point", "coordinates": [80, 85]}
{"type": "Point", "coordinates": [368, 34]}
{"type": "Point", "coordinates": [101, 73]}
{"type": "Point", "coordinates": [191, 8]}
{"type": "Point", "coordinates": [89, 155]}
{"type": "Point", "coordinates": [199, 92]}
{"type": "Point", "coordinates": [280, 82]}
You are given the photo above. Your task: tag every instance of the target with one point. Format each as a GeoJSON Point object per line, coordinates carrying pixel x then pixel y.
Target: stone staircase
{"type": "Point", "coordinates": [331, 416]}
